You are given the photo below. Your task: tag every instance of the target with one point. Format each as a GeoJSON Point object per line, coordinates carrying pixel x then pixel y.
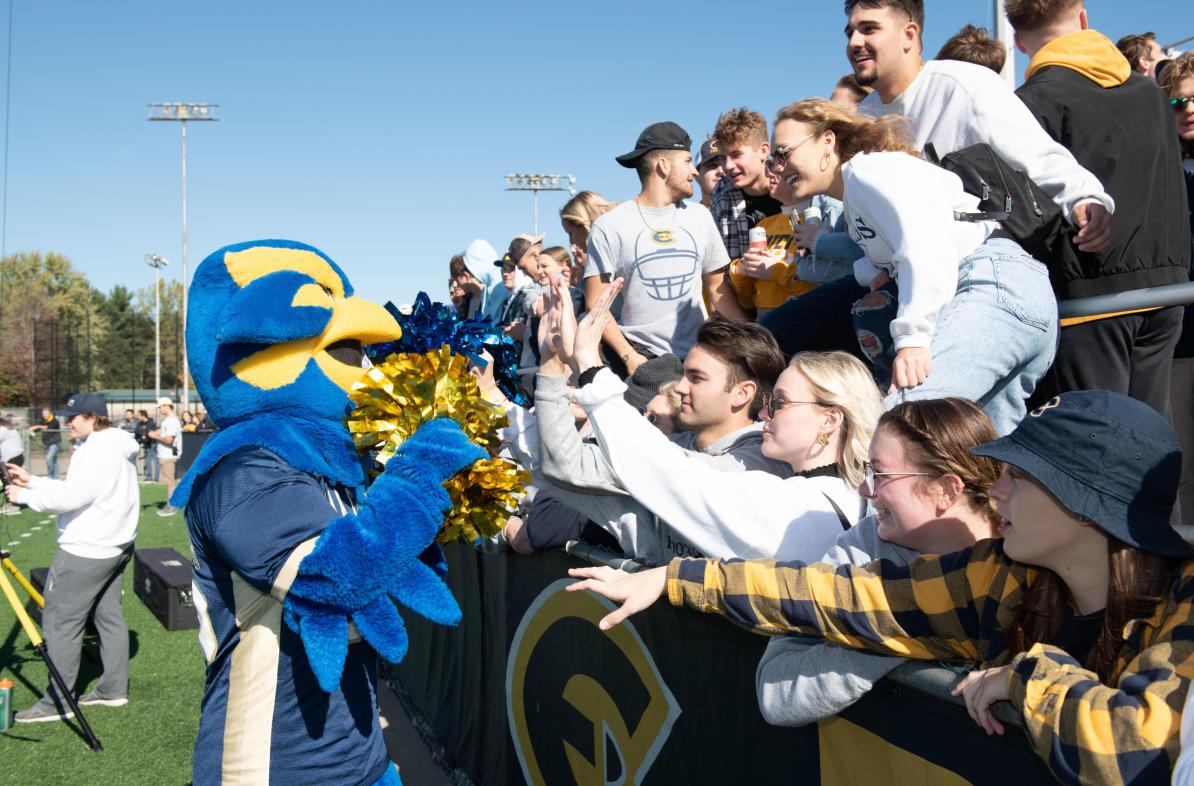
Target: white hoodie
{"type": "Point", "coordinates": [98, 503]}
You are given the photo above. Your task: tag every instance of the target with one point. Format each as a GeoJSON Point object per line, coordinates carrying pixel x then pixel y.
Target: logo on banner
{"type": "Point", "coordinates": [566, 723]}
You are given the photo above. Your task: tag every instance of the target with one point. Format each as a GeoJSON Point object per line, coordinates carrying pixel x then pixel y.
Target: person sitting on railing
{"type": "Point", "coordinates": [818, 419]}
{"type": "Point", "coordinates": [976, 316]}
{"type": "Point", "coordinates": [1081, 616]}
{"type": "Point", "coordinates": [930, 496]}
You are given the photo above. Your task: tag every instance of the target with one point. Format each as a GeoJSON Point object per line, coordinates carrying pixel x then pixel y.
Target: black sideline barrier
{"type": "Point", "coordinates": [528, 690]}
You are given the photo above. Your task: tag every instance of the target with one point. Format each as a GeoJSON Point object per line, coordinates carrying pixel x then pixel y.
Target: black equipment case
{"type": "Point", "coordinates": [162, 580]}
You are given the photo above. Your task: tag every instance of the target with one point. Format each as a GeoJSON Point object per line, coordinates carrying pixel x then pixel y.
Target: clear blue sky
{"type": "Point", "coordinates": [381, 132]}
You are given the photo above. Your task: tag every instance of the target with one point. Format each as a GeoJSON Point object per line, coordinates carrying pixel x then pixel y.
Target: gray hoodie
{"type": "Point", "coordinates": [801, 680]}
{"type": "Point", "coordinates": [581, 476]}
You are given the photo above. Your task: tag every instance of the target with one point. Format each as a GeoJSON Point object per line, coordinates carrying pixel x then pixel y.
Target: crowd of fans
{"type": "Point", "coordinates": [829, 358]}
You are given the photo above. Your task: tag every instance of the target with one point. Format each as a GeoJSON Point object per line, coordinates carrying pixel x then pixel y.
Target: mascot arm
{"type": "Point", "coordinates": [362, 561]}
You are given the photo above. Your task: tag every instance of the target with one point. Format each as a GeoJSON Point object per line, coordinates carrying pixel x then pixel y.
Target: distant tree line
{"type": "Point", "coordinates": [60, 335]}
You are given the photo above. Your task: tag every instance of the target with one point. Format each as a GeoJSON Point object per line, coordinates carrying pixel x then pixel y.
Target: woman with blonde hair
{"type": "Point", "coordinates": [976, 315]}
{"type": "Point", "coordinates": [818, 419]}
{"type": "Point", "coordinates": [577, 216]}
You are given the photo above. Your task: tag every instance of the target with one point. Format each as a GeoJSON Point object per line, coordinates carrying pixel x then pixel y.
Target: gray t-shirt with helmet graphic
{"type": "Point", "coordinates": [661, 253]}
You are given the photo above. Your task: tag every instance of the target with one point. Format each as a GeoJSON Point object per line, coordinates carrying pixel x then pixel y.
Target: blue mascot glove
{"type": "Point", "coordinates": [362, 560]}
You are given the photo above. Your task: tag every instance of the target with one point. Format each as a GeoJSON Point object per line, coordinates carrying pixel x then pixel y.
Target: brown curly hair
{"type": "Point", "coordinates": [1181, 67]}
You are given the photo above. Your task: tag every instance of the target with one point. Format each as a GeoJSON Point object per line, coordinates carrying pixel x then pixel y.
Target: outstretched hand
{"type": "Point", "coordinates": [587, 335]}
{"type": "Point", "coordinates": [635, 591]}
{"type": "Point", "coordinates": [554, 340]}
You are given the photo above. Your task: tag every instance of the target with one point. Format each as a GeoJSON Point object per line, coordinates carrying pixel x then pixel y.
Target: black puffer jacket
{"type": "Point", "coordinates": [1126, 136]}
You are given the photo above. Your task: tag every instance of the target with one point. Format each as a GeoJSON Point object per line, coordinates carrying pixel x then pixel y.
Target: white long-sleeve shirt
{"type": "Point", "coordinates": [900, 212]}
{"type": "Point", "coordinates": [723, 514]}
{"type": "Point", "coordinates": [954, 105]}
{"type": "Point", "coordinates": [98, 502]}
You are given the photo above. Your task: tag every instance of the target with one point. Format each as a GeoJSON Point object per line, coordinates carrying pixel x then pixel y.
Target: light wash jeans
{"type": "Point", "coordinates": [996, 338]}
{"type": "Point", "coordinates": [52, 460]}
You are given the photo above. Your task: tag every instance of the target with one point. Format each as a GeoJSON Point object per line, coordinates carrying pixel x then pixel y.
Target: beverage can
{"type": "Point", "coordinates": [5, 705]}
{"type": "Point", "coordinates": [758, 239]}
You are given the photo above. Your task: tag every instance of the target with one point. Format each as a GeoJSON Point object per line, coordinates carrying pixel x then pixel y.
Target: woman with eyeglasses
{"type": "Point", "coordinates": [976, 316]}
{"type": "Point", "coordinates": [929, 494]}
{"type": "Point", "coordinates": [1081, 615]}
{"type": "Point", "coordinates": [819, 420]}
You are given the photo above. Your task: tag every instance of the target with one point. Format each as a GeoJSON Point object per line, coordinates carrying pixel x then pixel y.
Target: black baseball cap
{"type": "Point", "coordinates": [83, 404]}
{"type": "Point", "coordinates": [1106, 457]}
{"type": "Point", "coordinates": [657, 136]}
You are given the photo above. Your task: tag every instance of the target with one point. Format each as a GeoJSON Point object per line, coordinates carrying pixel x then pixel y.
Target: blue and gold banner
{"type": "Point", "coordinates": [529, 690]}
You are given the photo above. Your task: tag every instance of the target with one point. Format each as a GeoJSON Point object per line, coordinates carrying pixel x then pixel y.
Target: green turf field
{"type": "Point", "coordinates": [148, 741]}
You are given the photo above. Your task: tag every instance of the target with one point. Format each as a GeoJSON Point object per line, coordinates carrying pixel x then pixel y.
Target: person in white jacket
{"type": "Point", "coordinates": [930, 496]}
{"type": "Point", "coordinates": [819, 419]}
{"type": "Point", "coordinates": [97, 505]}
{"type": "Point", "coordinates": [976, 315]}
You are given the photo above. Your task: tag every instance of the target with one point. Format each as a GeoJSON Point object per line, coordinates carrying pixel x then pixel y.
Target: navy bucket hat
{"type": "Point", "coordinates": [1105, 457]}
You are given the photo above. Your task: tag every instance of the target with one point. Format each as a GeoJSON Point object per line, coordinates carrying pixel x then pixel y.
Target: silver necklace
{"type": "Point", "coordinates": [654, 231]}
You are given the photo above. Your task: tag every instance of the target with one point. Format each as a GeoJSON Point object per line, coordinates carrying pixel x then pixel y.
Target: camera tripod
{"type": "Point", "coordinates": [39, 645]}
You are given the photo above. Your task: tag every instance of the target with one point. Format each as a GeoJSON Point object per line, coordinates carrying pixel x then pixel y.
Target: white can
{"type": "Point", "coordinates": [758, 238]}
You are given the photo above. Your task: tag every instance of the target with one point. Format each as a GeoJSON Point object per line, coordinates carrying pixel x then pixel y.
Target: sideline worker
{"type": "Point", "coordinates": [97, 506]}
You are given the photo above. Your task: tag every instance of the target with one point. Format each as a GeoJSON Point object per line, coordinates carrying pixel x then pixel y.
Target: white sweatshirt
{"type": "Point", "coordinates": [954, 105]}
{"type": "Point", "coordinates": [723, 514]}
{"type": "Point", "coordinates": [900, 212]}
{"type": "Point", "coordinates": [98, 503]}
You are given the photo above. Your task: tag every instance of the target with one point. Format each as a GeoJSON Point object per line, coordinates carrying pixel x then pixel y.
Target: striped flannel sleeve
{"type": "Point", "coordinates": [945, 607]}
{"type": "Point", "coordinates": [1092, 733]}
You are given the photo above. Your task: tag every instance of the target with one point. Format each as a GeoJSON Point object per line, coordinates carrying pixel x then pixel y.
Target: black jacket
{"type": "Point", "coordinates": [1126, 136]}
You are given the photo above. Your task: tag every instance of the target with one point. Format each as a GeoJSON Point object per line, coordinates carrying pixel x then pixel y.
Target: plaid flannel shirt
{"type": "Point", "coordinates": [955, 607]}
{"type": "Point", "coordinates": [728, 204]}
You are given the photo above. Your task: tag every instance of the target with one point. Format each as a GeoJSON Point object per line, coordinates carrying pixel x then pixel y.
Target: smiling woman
{"type": "Point", "coordinates": [1098, 668]}
{"type": "Point", "coordinates": [976, 315]}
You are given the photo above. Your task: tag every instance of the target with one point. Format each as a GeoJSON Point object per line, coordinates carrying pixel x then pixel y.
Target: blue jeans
{"type": "Point", "coordinates": [997, 336]}
{"type": "Point", "coordinates": [151, 463]}
{"type": "Point", "coordinates": [52, 460]}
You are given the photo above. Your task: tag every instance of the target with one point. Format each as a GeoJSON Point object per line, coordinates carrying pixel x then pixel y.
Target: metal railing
{"type": "Point", "coordinates": [1132, 300]}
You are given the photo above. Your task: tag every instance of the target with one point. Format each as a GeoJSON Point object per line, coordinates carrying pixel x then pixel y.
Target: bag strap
{"type": "Point", "coordinates": [841, 517]}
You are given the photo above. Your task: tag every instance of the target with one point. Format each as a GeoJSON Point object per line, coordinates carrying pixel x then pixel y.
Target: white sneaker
{"type": "Point", "coordinates": [94, 699]}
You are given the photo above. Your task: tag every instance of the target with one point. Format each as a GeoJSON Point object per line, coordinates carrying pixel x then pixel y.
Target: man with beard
{"type": "Point", "coordinates": [665, 248]}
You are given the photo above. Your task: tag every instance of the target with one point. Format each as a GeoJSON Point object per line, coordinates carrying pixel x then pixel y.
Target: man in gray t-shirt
{"type": "Point", "coordinates": [665, 249]}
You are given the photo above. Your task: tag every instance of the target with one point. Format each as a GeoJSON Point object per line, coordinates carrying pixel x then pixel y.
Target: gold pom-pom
{"type": "Point", "coordinates": [483, 496]}
{"type": "Point", "coordinates": [404, 391]}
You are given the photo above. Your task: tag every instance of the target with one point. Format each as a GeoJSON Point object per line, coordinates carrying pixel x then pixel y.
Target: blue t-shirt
{"type": "Point", "coordinates": [264, 716]}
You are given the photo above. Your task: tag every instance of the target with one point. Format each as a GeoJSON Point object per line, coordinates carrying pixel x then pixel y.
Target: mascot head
{"type": "Point", "coordinates": [273, 328]}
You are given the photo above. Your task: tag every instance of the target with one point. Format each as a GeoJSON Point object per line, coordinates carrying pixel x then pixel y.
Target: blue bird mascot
{"type": "Point", "coordinates": [297, 570]}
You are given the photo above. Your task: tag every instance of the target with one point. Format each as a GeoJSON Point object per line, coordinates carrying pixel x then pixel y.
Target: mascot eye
{"type": "Point", "coordinates": [326, 290]}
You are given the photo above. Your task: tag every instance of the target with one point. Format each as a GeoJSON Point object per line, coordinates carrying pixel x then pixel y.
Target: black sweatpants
{"type": "Point", "coordinates": [1132, 355]}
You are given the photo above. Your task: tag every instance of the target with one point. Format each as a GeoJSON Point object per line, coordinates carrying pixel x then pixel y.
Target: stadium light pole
{"type": "Point", "coordinates": [537, 183]}
{"type": "Point", "coordinates": [183, 112]}
{"type": "Point", "coordinates": [157, 263]}
{"type": "Point", "coordinates": [1005, 35]}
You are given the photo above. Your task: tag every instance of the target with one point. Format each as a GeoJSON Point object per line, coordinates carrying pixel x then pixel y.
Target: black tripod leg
{"type": "Point", "coordinates": [69, 697]}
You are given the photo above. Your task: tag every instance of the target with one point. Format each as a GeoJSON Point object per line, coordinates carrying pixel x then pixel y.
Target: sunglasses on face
{"type": "Point", "coordinates": [778, 159]}
{"type": "Point", "coordinates": [1180, 104]}
{"type": "Point", "coordinates": [773, 404]}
